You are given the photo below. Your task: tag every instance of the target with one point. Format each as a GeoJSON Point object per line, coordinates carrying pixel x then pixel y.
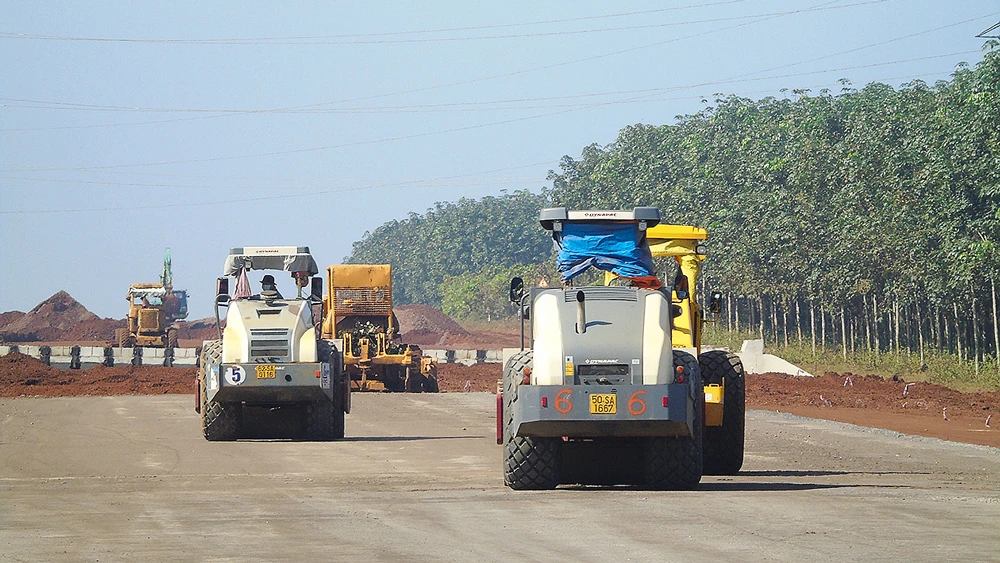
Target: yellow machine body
{"type": "Point", "coordinates": [685, 244]}
{"type": "Point", "coordinates": [360, 296]}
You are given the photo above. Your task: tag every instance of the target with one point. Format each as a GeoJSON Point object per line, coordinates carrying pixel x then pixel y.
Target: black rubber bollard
{"type": "Point", "coordinates": [74, 358]}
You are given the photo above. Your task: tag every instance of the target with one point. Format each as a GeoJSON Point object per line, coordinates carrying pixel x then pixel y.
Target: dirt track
{"type": "Point", "coordinates": [130, 478]}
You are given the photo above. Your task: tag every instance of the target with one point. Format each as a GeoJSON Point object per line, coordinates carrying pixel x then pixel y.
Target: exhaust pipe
{"type": "Point", "coordinates": [581, 313]}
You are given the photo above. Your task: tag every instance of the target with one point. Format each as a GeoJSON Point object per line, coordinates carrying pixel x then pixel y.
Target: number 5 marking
{"type": "Point", "coordinates": [563, 403]}
{"type": "Point", "coordinates": [636, 405]}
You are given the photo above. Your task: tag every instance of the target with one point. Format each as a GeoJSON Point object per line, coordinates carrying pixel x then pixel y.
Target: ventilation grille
{"type": "Point", "coordinates": [363, 300]}
{"type": "Point", "coordinates": [269, 343]}
{"type": "Point", "coordinates": [603, 294]}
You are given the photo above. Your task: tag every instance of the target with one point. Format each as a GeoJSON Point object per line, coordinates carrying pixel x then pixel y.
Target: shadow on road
{"type": "Point", "coordinates": [405, 438]}
{"type": "Point", "coordinates": [731, 486]}
{"type": "Point", "coordinates": [820, 473]}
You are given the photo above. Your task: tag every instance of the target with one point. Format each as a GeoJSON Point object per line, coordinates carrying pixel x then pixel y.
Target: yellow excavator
{"type": "Point", "coordinates": [358, 309]}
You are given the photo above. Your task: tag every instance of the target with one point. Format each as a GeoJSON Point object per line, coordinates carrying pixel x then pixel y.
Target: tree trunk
{"type": "Point", "coordinates": [958, 331]}
{"type": "Point", "coordinates": [798, 320]}
{"type": "Point", "coordinates": [996, 322]}
{"type": "Point", "coordinates": [920, 335]}
{"type": "Point", "coordinates": [812, 325]}
{"type": "Point", "coordinates": [784, 315]}
{"type": "Point", "coordinates": [760, 319]}
{"type": "Point", "coordinates": [975, 334]}
{"type": "Point", "coordinates": [868, 324]}
{"type": "Point", "coordinates": [878, 344]}
{"type": "Point", "coordinates": [843, 330]}
{"type": "Point", "coordinates": [774, 320]}
{"type": "Point", "coordinates": [822, 326]}
{"type": "Point", "coordinates": [895, 309]}
{"type": "Point", "coordinates": [736, 313]}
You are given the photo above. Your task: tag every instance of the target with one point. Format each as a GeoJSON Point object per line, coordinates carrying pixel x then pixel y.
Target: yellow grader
{"type": "Point", "coordinates": [358, 309]}
{"type": "Point", "coordinates": [152, 308]}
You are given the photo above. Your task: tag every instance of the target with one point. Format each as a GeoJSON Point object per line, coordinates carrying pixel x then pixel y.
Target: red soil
{"type": "Point", "coordinates": [926, 410]}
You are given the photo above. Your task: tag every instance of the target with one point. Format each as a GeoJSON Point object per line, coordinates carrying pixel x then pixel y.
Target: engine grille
{"type": "Point", "coordinates": [363, 300]}
{"type": "Point", "coordinates": [598, 293]}
{"type": "Point", "coordinates": [269, 343]}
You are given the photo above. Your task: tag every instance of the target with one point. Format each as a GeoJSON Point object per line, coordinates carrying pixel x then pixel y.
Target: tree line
{"type": "Point", "coordinates": [866, 219]}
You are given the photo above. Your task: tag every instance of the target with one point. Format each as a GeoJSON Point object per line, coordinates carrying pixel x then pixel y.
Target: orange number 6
{"type": "Point", "coordinates": [636, 405]}
{"type": "Point", "coordinates": [563, 404]}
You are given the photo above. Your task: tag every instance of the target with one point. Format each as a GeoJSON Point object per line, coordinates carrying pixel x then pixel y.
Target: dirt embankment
{"type": "Point", "coordinates": [61, 319]}
{"type": "Point", "coordinates": [430, 328]}
{"type": "Point", "coordinates": [916, 408]}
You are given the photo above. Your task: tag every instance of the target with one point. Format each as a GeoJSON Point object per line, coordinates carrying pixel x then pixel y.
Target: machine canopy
{"type": "Point", "coordinates": [287, 258]}
{"type": "Point", "coordinates": [617, 247]}
{"type": "Point", "coordinates": [149, 292]}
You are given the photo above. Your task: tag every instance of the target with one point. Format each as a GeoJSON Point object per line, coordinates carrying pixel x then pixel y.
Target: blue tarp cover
{"type": "Point", "coordinates": [606, 246]}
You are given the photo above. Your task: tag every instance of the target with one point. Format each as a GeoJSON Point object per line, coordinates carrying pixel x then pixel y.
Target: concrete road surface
{"type": "Point", "coordinates": [419, 479]}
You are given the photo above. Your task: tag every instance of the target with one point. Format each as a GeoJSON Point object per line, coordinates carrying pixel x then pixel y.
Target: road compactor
{"type": "Point", "coordinates": [270, 353]}
{"type": "Point", "coordinates": [601, 396]}
{"type": "Point", "coordinates": [358, 305]}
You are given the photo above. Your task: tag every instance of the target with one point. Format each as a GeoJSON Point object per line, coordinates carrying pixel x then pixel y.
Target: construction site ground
{"type": "Point", "coordinates": [920, 409]}
{"type": "Point", "coordinates": [109, 464]}
{"type": "Point", "coordinates": [418, 478]}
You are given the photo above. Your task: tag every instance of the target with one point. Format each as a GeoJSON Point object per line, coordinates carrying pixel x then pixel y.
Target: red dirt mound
{"type": "Point", "coordinates": [94, 329]}
{"type": "Point", "coordinates": [49, 319]}
{"type": "Point", "coordinates": [478, 377]}
{"type": "Point", "coordinates": [9, 317]}
{"type": "Point", "coordinates": [426, 326]}
{"type": "Point", "coordinates": [201, 329]}
{"type": "Point", "coordinates": [22, 375]}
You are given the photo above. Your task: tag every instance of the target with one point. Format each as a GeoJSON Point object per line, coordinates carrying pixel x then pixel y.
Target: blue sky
{"type": "Point", "coordinates": [129, 127]}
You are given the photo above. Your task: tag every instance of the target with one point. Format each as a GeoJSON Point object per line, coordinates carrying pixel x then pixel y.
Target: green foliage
{"type": "Point", "coordinates": [468, 236]}
{"type": "Point", "coordinates": [485, 295]}
{"type": "Point", "coordinates": [871, 196]}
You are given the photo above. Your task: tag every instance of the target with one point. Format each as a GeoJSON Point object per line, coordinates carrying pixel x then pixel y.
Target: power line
{"type": "Point", "coordinates": [401, 184]}
{"type": "Point", "coordinates": [491, 105]}
{"type": "Point", "coordinates": [332, 40]}
{"type": "Point", "coordinates": [458, 129]}
{"type": "Point", "coordinates": [397, 33]}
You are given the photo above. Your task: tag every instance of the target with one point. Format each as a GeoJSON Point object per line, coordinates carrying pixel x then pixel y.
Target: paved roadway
{"type": "Point", "coordinates": [418, 479]}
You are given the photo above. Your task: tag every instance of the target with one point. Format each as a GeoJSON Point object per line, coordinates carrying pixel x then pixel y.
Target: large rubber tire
{"type": "Point", "coordinates": [414, 379]}
{"type": "Point", "coordinates": [171, 338]}
{"type": "Point", "coordinates": [324, 419]}
{"type": "Point", "coordinates": [393, 379]}
{"type": "Point", "coordinates": [219, 421]}
{"type": "Point", "coordinates": [676, 462]}
{"type": "Point", "coordinates": [431, 384]}
{"type": "Point", "coordinates": [529, 463]}
{"type": "Point", "coordinates": [724, 444]}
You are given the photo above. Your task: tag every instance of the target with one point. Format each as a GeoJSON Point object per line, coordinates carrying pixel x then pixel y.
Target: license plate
{"type": "Point", "coordinates": [603, 404]}
{"type": "Point", "coordinates": [265, 372]}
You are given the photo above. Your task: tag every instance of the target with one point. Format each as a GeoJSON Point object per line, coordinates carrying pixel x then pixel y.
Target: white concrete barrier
{"type": "Point", "coordinates": [756, 361]}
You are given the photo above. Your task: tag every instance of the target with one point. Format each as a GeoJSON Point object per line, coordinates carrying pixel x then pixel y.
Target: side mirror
{"type": "Point", "coordinates": [516, 290]}
{"type": "Point", "coordinates": [681, 287]}
{"type": "Point", "coordinates": [715, 303]}
{"type": "Point", "coordinates": [222, 286]}
{"type": "Point", "coordinates": [317, 288]}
